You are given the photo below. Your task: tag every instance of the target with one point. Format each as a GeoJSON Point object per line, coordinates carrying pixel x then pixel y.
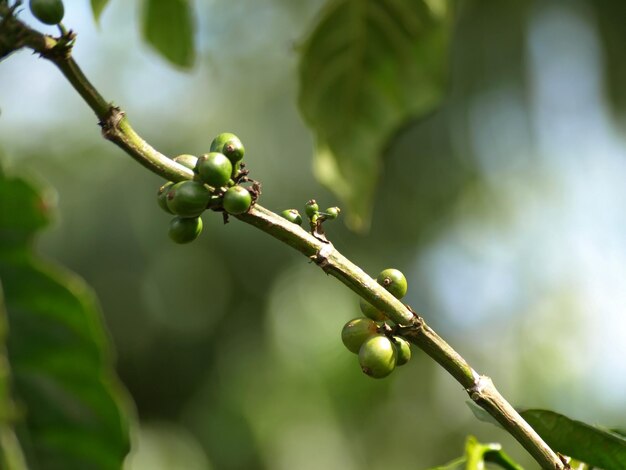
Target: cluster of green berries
{"type": "Point", "coordinates": [47, 11]}
{"type": "Point", "coordinates": [313, 213]}
{"type": "Point", "coordinates": [372, 338]}
{"type": "Point", "coordinates": [216, 185]}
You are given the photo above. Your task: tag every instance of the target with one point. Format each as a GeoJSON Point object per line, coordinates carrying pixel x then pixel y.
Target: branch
{"type": "Point", "coordinates": [116, 128]}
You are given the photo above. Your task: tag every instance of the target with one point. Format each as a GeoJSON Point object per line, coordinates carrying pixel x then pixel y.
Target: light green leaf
{"type": "Point", "coordinates": [365, 70]}
{"type": "Point", "coordinates": [477, 454]}
{"type": "Point", "coordinates": [168, 26]}
{"type": "Point", "coordinates": [71, 414]}
{"type": "Point", "coordinates": [481, 414]}
{"type": "Point", "coordinates": [97, 7]}
{"type": "Point", "coordinates": [589, 444]}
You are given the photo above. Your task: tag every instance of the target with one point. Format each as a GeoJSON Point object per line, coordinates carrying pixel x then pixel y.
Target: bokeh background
{"type": "Point", "coordinates": [505, 208]}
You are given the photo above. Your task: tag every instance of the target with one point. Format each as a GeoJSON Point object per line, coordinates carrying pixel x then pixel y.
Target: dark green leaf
{"type": "Point", "coordinates": [11, 455]}
{"type": "Point", "coordinates": [609, 16]}
{"type": "Point", "coordinates": [501, 458]}
{"type": "Point", "coordinates": [63, 380]}
{"type": "Point", "coordinates": [97, 6]}
{"type": "Point", "coordinates": [168, 26]}
{"type": "Point", "coordinates": [366, 69]}
{"type": "Point", "coordinates": [576, 439]}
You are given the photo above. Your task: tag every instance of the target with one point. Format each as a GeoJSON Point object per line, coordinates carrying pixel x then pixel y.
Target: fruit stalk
{"type": "Point", "coordinates": [115, 127]}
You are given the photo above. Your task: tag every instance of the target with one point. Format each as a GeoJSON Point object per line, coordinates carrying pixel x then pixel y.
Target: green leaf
{"type": "Point", "coordinates": [168, 26]}
{"type": "Point", "coordinates": [477, 454]}
{"type": "Point", "coordinates": [609, 16]}
{"type": "Point", "coordinates": [11, 454]}
{"type": "Point", "coordinates": [481, 414]}
{"type": "Point", "coordinates": [97, 6]}
{"type": "Point", "coordinates": [365, 70]}
{"type": "Point", "coordinates": [69, 400]}
{"type": "Point", "coordinates": [589, 444]}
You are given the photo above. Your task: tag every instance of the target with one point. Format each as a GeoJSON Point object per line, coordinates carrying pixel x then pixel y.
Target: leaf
{"type": "Point", "coordinates": [11, 454]}
{"type": "Point", "coordinates": [477, 454]}
{"type": "Point", "coordinates": [589, 444]}
{"type": "Point", "coordinates": [97, 7]}
{"type": "Point", "coordinates": [501, 458]}
{"type": "Point", "coordinates": [481, 414]}
{"type": "Point", "coordinates": [609, 16]}
{"type": "Point", "coordinates": [70, 403]}
{"type": "Point", "coordinates": [168, 26]}
{"type": "Point", "coordinates": [365, 70]}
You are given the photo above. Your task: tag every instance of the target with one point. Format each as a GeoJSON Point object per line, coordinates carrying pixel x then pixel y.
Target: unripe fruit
{"type": "Point", "coordinates": [292, 215]}
{"type": "Point", "coordinates": [234, 150]}
{"type": "Point", "coordinates": [237, 200]}
{"type": "Point", "coordinates": [162, 196]}
{"type": "Point", "coordinates": [378, 356]}
{"type": "Point", "coordinates": [356, 332]}
{"type": "Point", "coordinates": [403, 347]}
{"type": "Point", "coordinates": [332, 213]}
{"type": "Point", "coordinates": [185, 229]}
{"type": "Point", "coordinates": [218, 143]}
{"type": "Point", "coordinates": [394, 281]}
{"type": "Point", "coordinates": [188, 198]}
{"type": "Point", "coordinates": [47, 11]}
{"type": "Point", "coordinates": [214, 169]}
{"type": "Point", "coordinates": [311, 208]}
{"type": "Point", "coordinates": [370, 311]}
{"type": "Point", "coordinates": [186, 160]}
{"type": "Point", "coordinates": [230, 145]}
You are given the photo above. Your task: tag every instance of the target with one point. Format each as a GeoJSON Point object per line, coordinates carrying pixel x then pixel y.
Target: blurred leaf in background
{"type": "Point", "coordinates": [72, 412]}
{"type": "Point", "coordinates": [365, 70]}
{"type": "Point", "coordinates": [478, 455]}
{"type": "Point", "coordinates": [168, 26]}
{"type": "Point", "coordinates": [11, 453]}
{"type": "Point", "coordinates": [98, 7]}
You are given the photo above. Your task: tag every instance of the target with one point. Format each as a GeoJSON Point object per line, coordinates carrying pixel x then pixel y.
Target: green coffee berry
{"type": "Point", "coordinates": [237, 200]}
{"type": "Point", "coordinates": [370, 311]}
{"type": "Point", "coordinates": [292, 215]}
{"type": "Point", "coordinates": [378, 356]}
{"type": "Point", "coordinates": [162, 196]}
{"type": "Point", "coordinates": [187, 160]}
{"type": "Point", "coordinates": [394, 281]}
{"type": "Point", "coordinates": [234, 150]}
{"type": "Point", "coordinates": [47, 11]}
{"type": "Point", "coordinates": [188, 198]}
{"type": "Point", "coordinates": [311, 209]}
{"type": "Point", "coordinates": [214, 169]}
{"type": "Point", "coordinates": [332, 213]}
{"type": "Point", "coordinates": [185, 229]}
{"type": "Point", "coordinates": [218, 143]}
{"type": "Point", "coordinates": [403, 347]}
{"type": "Point", "coordinates": [356, 332]}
